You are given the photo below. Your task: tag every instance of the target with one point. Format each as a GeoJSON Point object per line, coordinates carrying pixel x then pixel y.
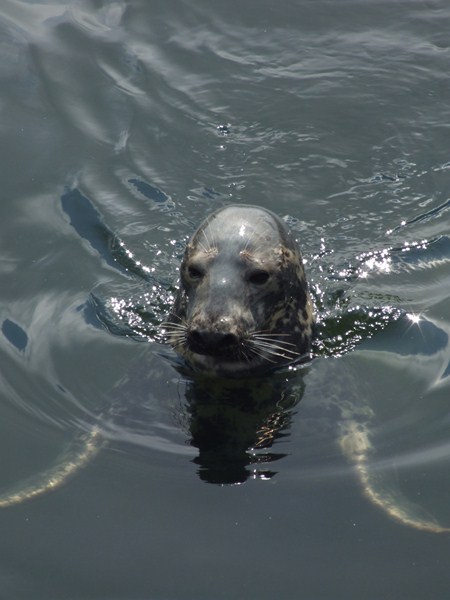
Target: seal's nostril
{"type": "Point", "coordinates": [227, 340]}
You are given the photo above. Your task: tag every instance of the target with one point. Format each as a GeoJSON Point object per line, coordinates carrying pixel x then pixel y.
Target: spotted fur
{"type": "Point", "coordinates": [243, 304]}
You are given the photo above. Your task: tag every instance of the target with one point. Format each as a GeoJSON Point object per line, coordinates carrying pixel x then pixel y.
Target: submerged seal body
{"type": "Point", "coordinates": [243, 303]}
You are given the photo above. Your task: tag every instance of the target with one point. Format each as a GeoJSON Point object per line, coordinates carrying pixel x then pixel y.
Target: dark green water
{"type": "Point", "coordinates": [122, 125]}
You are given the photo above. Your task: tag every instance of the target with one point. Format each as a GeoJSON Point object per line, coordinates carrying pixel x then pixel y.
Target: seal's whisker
{"type": "Point", "coordinates": [204, 248]}
{"type": "Point", "coordinates": [245, 354]}
{"type": "Point", "coordinates": [277, 346]}
{"type": "Point", "coordinates": [281, 355]}
{"type": "Point", "coordinates": [277, 354]}
{"type": "Point", "coordinates": [268, 333]}
{"type": "Point", "coordinates": [177, 339]}
{"type": "Point", "coordinates": [209, 244]}
{"type": "Point", "coordinates": [173, 326]}
{"type": "Point", "coordinates": [175, 316]}
{"type": "Point", "coordinates": [285, 352]}
{"type": "Point", "coordinates": [213, 240]}
{"type": "Point", "coordinates": [249, 352]}
{"type": "Point", "coordinates": [268, 339]}
{"type": "Point", "coordinates": [255, 350]}
{"type": "Point", "coordinates": [175, 334]}
{"type": "Point", "coordinates": [170, 329]}
{"type": "Point", "coordinates": [172, 335]}
{"type": "Point", "coordinates": [274, 350]}
{"type": "Point", "coordinates": [247, 244]}
{"type": "Point", "coordinates": [178, 344]}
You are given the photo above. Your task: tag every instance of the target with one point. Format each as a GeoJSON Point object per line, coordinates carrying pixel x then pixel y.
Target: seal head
{"type": "Point", "coordinates": [243, 305]}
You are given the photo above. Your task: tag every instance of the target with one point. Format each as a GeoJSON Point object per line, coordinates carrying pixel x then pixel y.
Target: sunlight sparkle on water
{"type": "Point", "coordinates": [130, 256]}
{"type": "Point", "coordinates": [415, 319]}
{"type": "Point", "coordinates": [377, 261]}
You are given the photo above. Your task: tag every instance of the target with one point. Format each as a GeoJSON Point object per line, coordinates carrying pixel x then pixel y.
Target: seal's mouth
{"type": "Point", "coordinates": [231, 352]}
{"type": "Point", "coordinates": [220, 345]}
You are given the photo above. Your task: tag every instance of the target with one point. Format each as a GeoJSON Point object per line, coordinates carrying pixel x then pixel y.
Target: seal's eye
{"type": "Point", "coordinates": [195, 272]}
{"type": "Point", "coordinates": [258, 277]}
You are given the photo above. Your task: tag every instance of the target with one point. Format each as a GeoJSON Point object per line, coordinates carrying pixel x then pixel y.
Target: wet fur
{"type": "Point", "coordinates": [269, 322]}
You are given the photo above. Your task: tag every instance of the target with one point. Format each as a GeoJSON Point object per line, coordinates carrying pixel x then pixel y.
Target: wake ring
{"type": "Point", "coordinates": [356, 446]}
{"type": "Point", "coordinates": [80, 452]}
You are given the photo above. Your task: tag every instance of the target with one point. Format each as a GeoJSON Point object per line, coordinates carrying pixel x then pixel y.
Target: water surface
{"type": "Point", "coordinates": [124, 124]}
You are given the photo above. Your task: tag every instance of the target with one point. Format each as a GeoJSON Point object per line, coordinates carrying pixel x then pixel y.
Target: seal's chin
{"type": "Point", "coordinates": [225, 366]}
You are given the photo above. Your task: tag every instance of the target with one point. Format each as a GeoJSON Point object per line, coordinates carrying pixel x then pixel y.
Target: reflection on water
{"type": "Point", "coordinates": [15, 334]}
{"type": "Point", "coordinates": [234, 425]}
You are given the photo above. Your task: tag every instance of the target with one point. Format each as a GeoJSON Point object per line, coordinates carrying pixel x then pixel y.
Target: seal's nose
{"type": "Point", "coordinates": [212, 343]}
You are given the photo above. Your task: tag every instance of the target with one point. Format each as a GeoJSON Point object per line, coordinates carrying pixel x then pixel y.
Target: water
{"type": "Point", "coordinates": [123, 124]}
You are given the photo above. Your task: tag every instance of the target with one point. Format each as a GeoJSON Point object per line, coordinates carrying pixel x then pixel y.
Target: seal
{"type": "Point", "coordinates": [243, 303]}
